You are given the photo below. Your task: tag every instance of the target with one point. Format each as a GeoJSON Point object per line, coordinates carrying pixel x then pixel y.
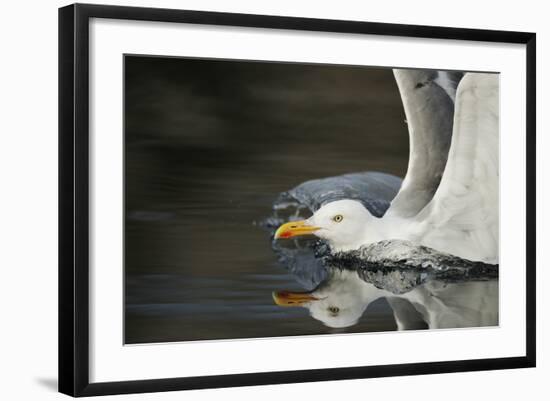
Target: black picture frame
{"type": "Point", "coordinates": [74, 198]}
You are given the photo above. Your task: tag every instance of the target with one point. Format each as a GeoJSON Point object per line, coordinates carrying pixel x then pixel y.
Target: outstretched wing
{"type": "Point", "coordinates": [462, 217]}
{"type": "Point", "coordinates": [428, 99]}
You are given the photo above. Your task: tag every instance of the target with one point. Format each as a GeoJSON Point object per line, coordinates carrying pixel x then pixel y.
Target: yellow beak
{"type": "Point", "coordinates": [294, 229]}
{"type": "Point", "coordinates": [286, 298]}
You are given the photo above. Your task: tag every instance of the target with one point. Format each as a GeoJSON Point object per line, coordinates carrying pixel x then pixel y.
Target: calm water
{"type": "Point", "coordinates": [210, 145]}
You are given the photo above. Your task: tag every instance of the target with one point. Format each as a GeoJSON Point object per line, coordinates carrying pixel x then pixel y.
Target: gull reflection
{"type": "Point", "coordinates": [419, 298]}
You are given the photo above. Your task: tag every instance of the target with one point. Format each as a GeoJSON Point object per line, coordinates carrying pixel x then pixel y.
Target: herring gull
{"type": "Point", "coordinates": [449, 198]}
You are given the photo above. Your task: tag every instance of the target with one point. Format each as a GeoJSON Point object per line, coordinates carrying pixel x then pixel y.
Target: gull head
{"type": "Point", "coordinates": [333, 309]}
{"type": "Point", "coordinates": [338, 309]}
{"type": "Point", "coordinates": [341, 223]}
{"type": "Point", "coordinates": [337, 303]}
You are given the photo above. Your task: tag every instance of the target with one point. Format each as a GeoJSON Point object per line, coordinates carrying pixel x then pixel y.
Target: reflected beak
{"type": "Point", "coordinates": [294, 229]}
{"type": "Point", "coordinates": [286, 298]}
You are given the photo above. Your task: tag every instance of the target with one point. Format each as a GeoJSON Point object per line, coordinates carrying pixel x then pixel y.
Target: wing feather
{"type": "Point", "coordinates": [428, 99]}
{"type": "Point", "coordinates": [462, 218]}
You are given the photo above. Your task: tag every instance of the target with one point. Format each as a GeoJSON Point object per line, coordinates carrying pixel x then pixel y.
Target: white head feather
{"type": "Point", "coordinates": [344, 224]}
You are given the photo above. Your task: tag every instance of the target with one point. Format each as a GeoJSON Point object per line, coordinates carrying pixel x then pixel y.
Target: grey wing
{"type": "Point", "coordinates": [428, 99]}
{"type": "Point", "coordinates": [375, 190]}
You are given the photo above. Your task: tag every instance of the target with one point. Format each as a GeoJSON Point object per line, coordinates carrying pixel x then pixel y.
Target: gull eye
{"type": "Point", "coordinates": [333, 309]}
{"type": "Point", "coordinates": [338, 218]}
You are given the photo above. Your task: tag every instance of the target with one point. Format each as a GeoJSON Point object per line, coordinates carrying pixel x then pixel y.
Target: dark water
{"type": "Point", "coordinates": [210, 145]}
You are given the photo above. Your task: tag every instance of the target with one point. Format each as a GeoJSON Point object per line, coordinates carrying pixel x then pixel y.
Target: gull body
{"type": "Point", "coordinates": [449, 198]}
{"type": "Point", "coordinates": [343, 298]}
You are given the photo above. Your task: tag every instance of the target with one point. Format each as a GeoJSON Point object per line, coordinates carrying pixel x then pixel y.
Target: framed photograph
{"type": "Point", "coordinates": [251, 199]}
